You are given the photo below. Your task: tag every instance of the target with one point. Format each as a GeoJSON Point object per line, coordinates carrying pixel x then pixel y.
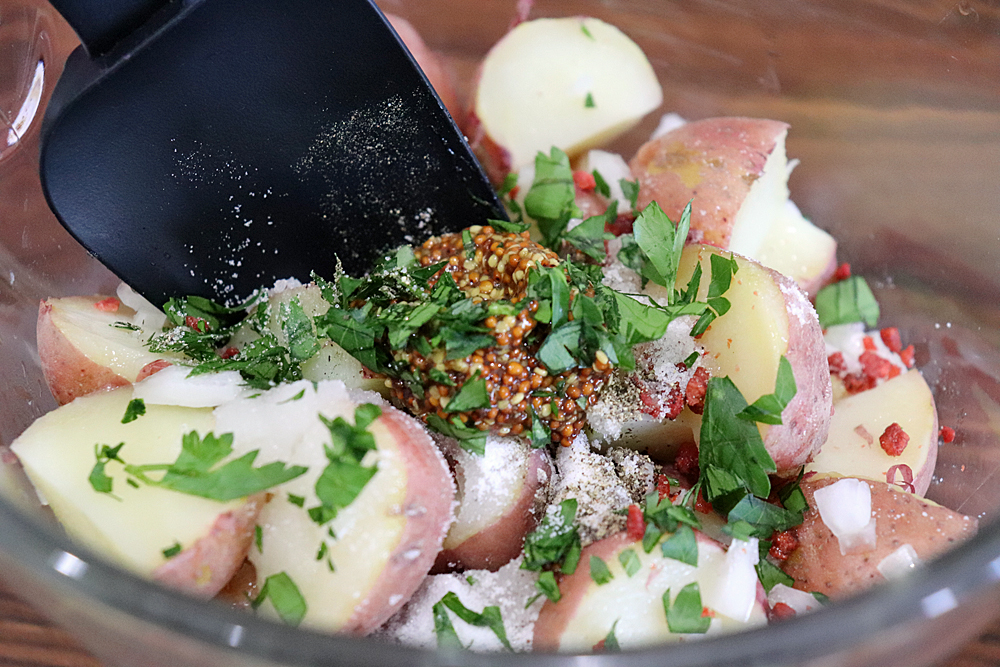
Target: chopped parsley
{"type": "Point", "coordinates": [344, 476]}
{"type": "Point", "coordinates": [599, 571]}
{"type": "Point", "coordinates": [548, 586]}
{"type": "Point", "coordinates": [588, 101]}
{"type": "Point", "coordinates": [686, 615]}
{"type": "Point", "coordinates": [630, 562]}
{"type": "Point", "coordinates": [770, 575]}
{"type": "Point", "coordinates": [555, 542]}
{"type": "Point", "coordinates": [135, 409]}
{"type": "Point", "coordinates": [610, 640]}
{"type": "Point", "coordinates": [551, 201]}
{"type": "Point", "coordinates": [172, 550]}
{"type": "Point", "coordinates": [682, 546]}
{"type": "Point", "coordinates": [847, 301]}
{"type": "Point", "coordinates": [768, 408]}
{"type": "Point", "coordinates": [489, 618]}
{"type": "Point", "coordinates": [258, 538]}
{"type": "Point", "coordinates": [285, 597]}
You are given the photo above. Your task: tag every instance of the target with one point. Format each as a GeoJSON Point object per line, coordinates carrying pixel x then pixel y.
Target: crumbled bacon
{"type": "Point", "coordinates": [907, 356]}
{"type": "Point", "coordinates": [947, 434]}
{"type": "Point", "coordinates": [109, 305]}
{"type": "Point", "coordinates": [599, 646]}
{"type": "Point", "coordinates": [675, 402]}
{"type": "Point", "coordinates": [890, 336]}
{"type": "Point", "coordinates": [196, 323]}
{"type": "Point", "coordinates": [663, 486]}
{"type": "Point", "coordinates": [837, 363]}
{"type": "Point", "coordinates": [874, 366]}
{"type": "Point", "coordinates": [621, 225]}
{"type": "Point", "coordinates": [843, 272]}
{"type": "Point", "coordinates": [584, 180]}
{"type": "Point", "coordinates": [702, 505]}
{"type": "Point", "coordinates": [783, 544]}
{"type": "Point", "coordinates": [229, 353]}
{"type": "Point", "coordinates": [869, 344]}
{"type": "Point", "coordinates": [894, 371]}
{"type": "Point", "coordinates": [694, 395]}
{"type": "Point", "coordinates": [858, 382]}
{"type": "Point", "coordinates": [894, 439]}
{"type": "Point", "coordinates": [779, 612]}
{"type": "Point", "coordinates": [635, 524]}
{"type": "Point", "coordinates": [686, 460]}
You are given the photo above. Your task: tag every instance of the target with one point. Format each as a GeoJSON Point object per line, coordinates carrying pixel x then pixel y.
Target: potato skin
{"type": "Point", "coordinates": [900, 518]}
{"type": "Point", "coordinates": [204, 568]}
{"type": "Point", "coordinates": [713, 161]}
{"type": "Point", "coordinates": [68, 372]}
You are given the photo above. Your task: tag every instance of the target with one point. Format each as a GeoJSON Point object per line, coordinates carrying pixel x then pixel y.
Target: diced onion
{"type": "Point", "coordinates": [800, 601]}
{"type": "Point", "coordinates": [734, 592]}
{"type": "Point", "coordinates": [147, 316]}
{"type": "Point", "coordinates": [846, 509]}
{"type": "Point", "coordinates": [172, 386]}
{"type": "Point", "coordinates": [899, 563]}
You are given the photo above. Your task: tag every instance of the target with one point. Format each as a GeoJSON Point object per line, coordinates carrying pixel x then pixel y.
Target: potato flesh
{"type": "Point", "coordinates": [57, 453]}
{"type": "Point", "coordinates": [906, 400]}
{"type": "Point", "coordinates": [763, 204]}
{"type": "Point", "coordinates": [534, 84]}
{"type": "Point", "coordinates": [367, 531]}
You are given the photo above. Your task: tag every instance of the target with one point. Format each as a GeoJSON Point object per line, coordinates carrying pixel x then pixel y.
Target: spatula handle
{"type": "Point", "coordinates": [100, 24]}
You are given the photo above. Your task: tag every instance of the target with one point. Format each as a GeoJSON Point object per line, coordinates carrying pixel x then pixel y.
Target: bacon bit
{"type": "Point", "coordinates": [686, 460]}
{"type": "Point", "coordinates": [229, 353]}
{"type": "Point", "coordinates": [635, 524]}
{"type": "Point", "coordinates": [598, 647]}
{"type": "Point", "coordinates": [907, 355]}
{"type": "Point", "coordinates": [947, 434]}
{"type": "Point", "coordinates": [894, 371]}
{"type": "Point", "coordinates": [843, 272]}
{"type": "Point", "coordinates": [869, 343]}
{"type": "Point", "coordinates": [894, 439]}
{"type": "Point", "coordinates": [648, 404]}
{"type": "Point", "coordinates": [584, 180]}
{"type": "Point", "coordinates": [863, 432]}
{"type": "Point", "coordinates": [702, 505]}
{"type": "Point", "coordinates": [150, 368]}
{"type": "Point", "coordinates": [196, 323]}
{"type": "Point", "coordinates": [874, 366]}
{"type": "Point", "coordinates": [621, 225]}
{"type": "Point", "coordinates": [694, 395]}
{"type": "Point", "coordinates": [109, 305]}
{"type": "Point", "coordinates": [663, 486]}
{"type": "Point", "coordinates": [783, 544]}
{"type": "Point", "coordinates": [907, 473]}
{"type": "Point", "coordinates": [514, 192]}
{"type": "Point", "coordinates": [675, 402]}
{"type": "Point", "coordinates": [890, 336]}
{"type": "Point", "coordinates": [707, 613]}
{"type": "Point", "coordinates": [856, 383]}
{"type": "Point", "coordinates": [780, 612]}
{"type": "Point", "coordinates": [837, 363]}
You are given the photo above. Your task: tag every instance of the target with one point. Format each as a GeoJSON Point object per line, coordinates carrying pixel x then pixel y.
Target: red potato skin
{"type": "Point", "coordinates": [494, 158]}
{"type": "Point", "coordinates": [713, 161]}
{"type": "Point", "coordinates": [900, 518]}
{"type": "Point", "coordinates": [432, 65]}
{"type": "Point", "coordinates": [429, 497]}
{"type": "Point", "coordinates": [498, 544]}
{"type": "Point", "coordinates": [806, 418]}
{"type": "Point", "coordinates": [555, 617]}
{"type": "Point", "coordinates": [67, 371]}
{"type": "Point", "coordinates": [204, 568]}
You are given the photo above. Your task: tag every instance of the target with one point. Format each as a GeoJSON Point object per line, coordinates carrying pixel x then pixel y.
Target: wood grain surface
{"type": "Point", "coordinates": [29, 639]}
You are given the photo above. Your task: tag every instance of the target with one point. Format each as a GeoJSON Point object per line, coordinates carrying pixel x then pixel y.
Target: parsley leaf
{"type": "Point", "coordinates": [771, 575]}
{"type": "Point", "coordinates": [298, 330]}
{"type": "Point", "coordinates": [554, 541]}
{"type": "Point", "coordinates": [489, 618]}
{"type": "Point", "coordinates": [847, 301]}
{"type": "Point", "coordinates": [509, 227]}
{"type": "Point", "coordinates": [172, 550]}
{"type": "Point", "coordinates": [599, 571]}
{"type": "Point", "coordinates": [631, 191]}
{"type": "Point", "coordinates": [764, 517]}
{"type": "Point", "coordinates": [343, 479]}
{"type": "Point", "coordinates": [285, 596]}
{"type": "Point", "coordinates": [685, 615]}
{"type": "Point", "coordinates": [135, 409]}
{"type": "Point", "coordinates": [447, 638]}
{"type": "Point", "coordinates": [547, 584]}
{"type": "Point", "coordinates": [610, 640]}
{"type": "Point", "coordinates": [551, 201]}
{"type": "Point", "coordinates": [682, 546]}
{"type": "Point", "coordinates": [768, 408]}
{"type": "Point", "coordinates": [471, 396]}
{"type": "Point", "coordinates": [602, 186]}
{"type": "Point", "coordinates": [661, 243]}
{"type": "Point", "coordinates": [471, 439]}
{"type": "Point", "coordinates": [99, 479]}
{"type": "Point", "coordinates": [630, 562]}
{"type": "Point", "coordinates": [588, 102]}
{"type": "Point", "coordinates": [589, 236]}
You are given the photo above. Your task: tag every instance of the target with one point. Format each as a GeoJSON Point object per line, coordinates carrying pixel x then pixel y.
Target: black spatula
{"type": "Point", "coordinates": [212, 146]}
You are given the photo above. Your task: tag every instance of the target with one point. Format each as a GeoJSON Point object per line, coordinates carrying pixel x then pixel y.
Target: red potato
{"type": "Point", "coordinates": [901, 518]}
{"type": "Point", "coordinates": [432, 65]}
{"type": "Point", "coordinates": [501, 495]}
{"type": "Point", "coordinates": [578, 82]}
{"type": "Point", "coordinates": [736, 173]}
{"type": "Point", "coordinates": [385, 541]}
{"type": "Point", "coordinates": [82, 351]}
{"type": "Point", "coordinates": [853, 449]}
{"type": "Point", "coordinates": [770, 318]}
{"type": "Point", "coordinates": [587, 610]}
{"type": "Point", "coordinates": [134, 527]}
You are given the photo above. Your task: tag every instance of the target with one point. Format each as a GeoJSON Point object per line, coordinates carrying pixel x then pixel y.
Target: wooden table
{"type": "Point", "coordinates": [28, 639]}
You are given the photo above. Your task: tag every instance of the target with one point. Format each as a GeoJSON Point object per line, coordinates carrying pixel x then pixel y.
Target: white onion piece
{"type": "Point", "coordinates": [899, 563]}
{"type": "Point", "coordinates": [668, 123]}
{"type": "Point", "coordinates": [172, 386]}
{"type": "Point", "coordinates": [800, 601]}
{"type": "Point", "coordinates": [846, 509]}
{"type": "Point", "coordinates": [733, 592]}
{"type": "Point", "coordinates": [612, 168]}
{"type": "Point", "coordinates": [147, 316]}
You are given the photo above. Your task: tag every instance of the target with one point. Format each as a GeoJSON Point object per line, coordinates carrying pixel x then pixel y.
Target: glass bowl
{"type": "Point", "coordinates": [895, 115]}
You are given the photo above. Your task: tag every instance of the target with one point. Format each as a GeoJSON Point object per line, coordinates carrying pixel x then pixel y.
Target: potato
{"type": "Point", "coordinates": [57, 452]}
{"type": "Point", "coordinates": [900, 518]}
{"type": "Point", "coordinates": [736, 173]}
{"type": "Point", "coordinates": [383, 544]}
{"type": "Point", "coordinates": [578, 82]}
{"type": "Point", "coordinates": [87, 343]}
{"type": "Point", "coordinates": [770, 318]}
{"type": "Point", "coordinates": [905, 400]}
{"type": "Point", "coordinates": [587, 610]}
{"type": "Point", "coordinates": [432, 65]}
{"type": "Point", "coordinates": [500, 496]}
